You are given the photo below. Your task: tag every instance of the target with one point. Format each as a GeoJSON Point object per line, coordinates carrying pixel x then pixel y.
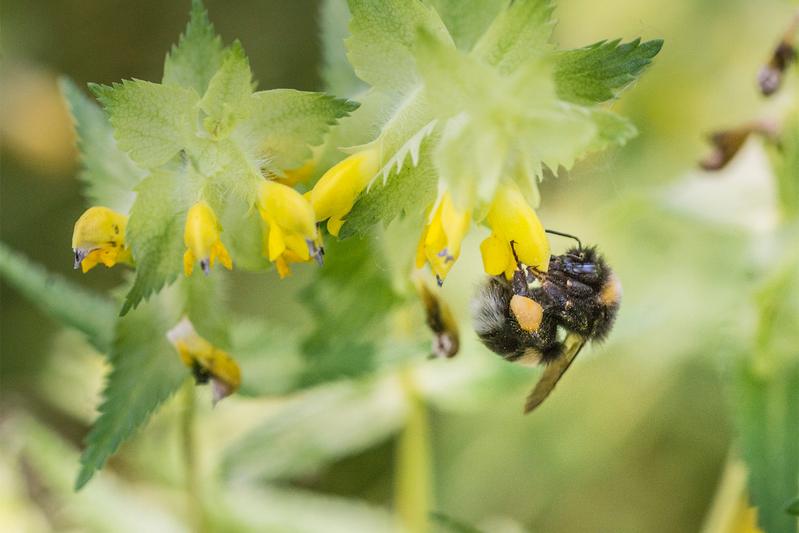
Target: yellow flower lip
{"type": "Point", "coordinates": [201, 237]}
{"type": "Point", "coordinates": [290, 232]}
{"type": "Point", "coordinates": [517, 235]}
{"type": "Point", "coordinates": [440, 244]}
{"type": "Point", "coordinates": [99, 237]}
{"type": "Point", "coordinates": [207, 362]}
{"type": "Point", "coordinates": [337, 190]}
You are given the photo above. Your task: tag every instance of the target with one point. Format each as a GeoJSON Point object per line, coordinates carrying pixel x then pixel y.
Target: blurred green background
{"type": "Point", "coordinates": [635, 438]}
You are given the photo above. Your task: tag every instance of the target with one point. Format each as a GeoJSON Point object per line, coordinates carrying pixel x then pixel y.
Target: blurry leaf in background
{"type": "Point", "coordinates": [337, 73]}
{"type": "Point", "coordinates": [786, 169]}
{"type": "Point", "coordinates": [767, 401]}
{"type": "Point", "coordinates": [259, 509]}
{"type": "Point", "coordinates": [74, 306]}
{"type": "Point", "coordinates": [316, 428]}
{"type": "Point", "coordinates": [107, 173]}
{"type": "Point", "coordinates": [146, 371]}
{"type": "Point", "coordinates": [345, 324]}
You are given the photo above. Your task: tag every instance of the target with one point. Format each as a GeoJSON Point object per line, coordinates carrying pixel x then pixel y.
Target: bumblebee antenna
{"type": "Point", "coordinates": [567, 235]}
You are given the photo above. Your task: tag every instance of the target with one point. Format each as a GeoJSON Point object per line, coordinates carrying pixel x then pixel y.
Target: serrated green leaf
{"type": "Point", "coordinates": [345, 325]}
{"type": "Point", "coordinates": [599, 72]}
{"type": "Point", "coordinates": [467, 20]}
{"type": "Point", "coordinates": [107, 173]}
{"type": "Point", "coordinates": [75, 307]}
{"type": "Point", "coordinates": [520, 33]}
{"type": "Point", "coordinates": [227, 99]}
{"type": "Point", "coordinates": [155, 232]}
{"type": "Point", "coordinates": [152, 122]}
{"type": "Point", "coordinates": [337, 74]}
{"type": "Point", "coordinates": [408, 192]}
{"type": "Point", "coordinates": [285, 124]}
{"type": "Point", "coordinates": [316, 428]}
{"type": "Point", "coordinates": [146, 372]}
{"type": "Point", "coordinates": [198, 54]}
{"type": "Point", "coordinates": [383, 33]}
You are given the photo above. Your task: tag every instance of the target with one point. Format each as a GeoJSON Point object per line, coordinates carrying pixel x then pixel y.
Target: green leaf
{"type": "Point", "coordinates": [520, 33]}
{"type": "Point", "coordinates": [467, 20]}
{"type": "Point", "coordinates": [285, 124]}
{"type": "Point", "coordinates": [346, 326]}
{"type": "Point", "coordinates": [793, 507]}
{"type": "Point", "coordinates": [337, 73]}
{"type": "Point", "coordinates": [198, 54]}
{"type": "Point", "coordinates": [227, 98]}
{"type": "Point", "coordinates": [768, 419]}
{"type": "Point", "coordinates": [63, 300]}
{"type": "Point", "coordinates": [146, 372]}
{"type": "Point", "coordinates": [155, 232]}
{"type": "Point", "coordinates": [317, 428]}
{"type": "Point", "coordinates": [269, 357]}
{"type": "Point", "coordinates": [383, 33]}
{"type": "Point", "coordinates": [406, 193]}
{"type": "Point", "coordinates": [767, 401]}
{"type": "Point", "coordinates": [108, 174]}
{"type": "Point", "coordinates": [600, 72]}
{"type": "Point", "coordinates": [151, 122]}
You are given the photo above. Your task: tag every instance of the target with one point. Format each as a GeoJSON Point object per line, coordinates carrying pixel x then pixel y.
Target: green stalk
{"type": "Point", "coordinates": [193, 489]}
{"type": "Point", "coordinates": [412, 489]}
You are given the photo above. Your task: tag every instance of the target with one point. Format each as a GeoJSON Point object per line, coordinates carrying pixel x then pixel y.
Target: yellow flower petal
{"type": "Point", "coordinates": [99, 237]}
{"type": "Point", "coordinates": [201, 237]}
{"type": "Point", "coordinates": [442, 237]}
{"type": "Point", "coordinates": [496, 254]}
{"type": "Point", "coordinates": [208, 363]}
{"type": "Point", "coordinates": [336, 191]}
{"type": "Point", "coordinates": [280, 204]}
{"type": "Point", "coordinates": [513, 220]}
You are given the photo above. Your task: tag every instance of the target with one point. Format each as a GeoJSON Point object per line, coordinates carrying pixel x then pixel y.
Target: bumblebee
{"type": "Point", "coordinates": [547, 317]}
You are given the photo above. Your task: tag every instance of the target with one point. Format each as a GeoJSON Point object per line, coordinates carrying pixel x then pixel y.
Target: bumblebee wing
{"type": "Point", "coordinates": [554, 371]}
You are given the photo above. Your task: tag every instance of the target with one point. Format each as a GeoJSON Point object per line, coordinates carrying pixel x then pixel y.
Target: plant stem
{"type": "Point", "coordinates": [193, 489]}
{"type": "Point", "coordinates": [412, 490]}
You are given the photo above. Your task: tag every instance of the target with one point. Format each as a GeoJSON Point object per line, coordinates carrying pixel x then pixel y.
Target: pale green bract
{"type": "Point", "coordinates": [504, 103]}
{"type": "Point", "coordinates": [216, 145]}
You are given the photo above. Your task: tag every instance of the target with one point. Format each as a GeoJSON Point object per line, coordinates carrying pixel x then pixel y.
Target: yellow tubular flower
{"type": "Point", "coordinates": [207, 362]}
{"type": "Point", "coordinates": [290, 235]}
{"type": "Point", "coordinates": [336, 191]}
{"type": "Point", "coordinates": [440, 244]}
{"type": "Point", "coordinates": [99, 237]}
{"type": "Point", "coordinates": [513, 220]}
{"type": "Point", "coordinates": [201, 237]}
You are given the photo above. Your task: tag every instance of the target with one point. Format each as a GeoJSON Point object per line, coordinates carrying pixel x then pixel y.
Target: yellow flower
{"type": "Point", "coordinates": [336, 191]}
{"type": "Point", "coordinates": [99, 237]}
{"type": "Point", "coordinates": [207, 362]}
{"type": "Point", "coordinates": [513, 220]}
{"type": "Point", "coordinates": [440, 244]}
{"type": "Point", "coordinates": [201, 237]}
{"type": "Point", "coordinates": [290, 234]}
